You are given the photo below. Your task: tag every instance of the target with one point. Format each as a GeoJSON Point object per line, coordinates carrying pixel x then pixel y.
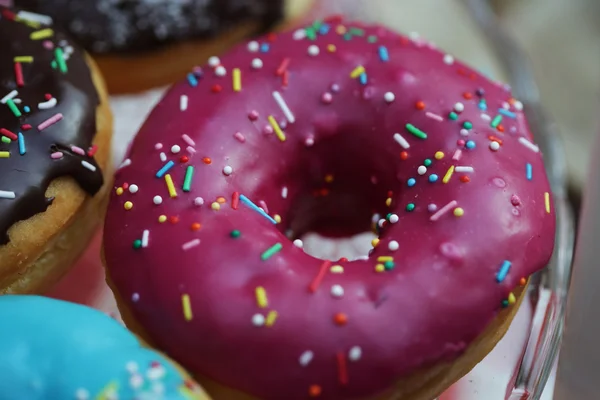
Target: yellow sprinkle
{"type": "Point", "coordinates": [341, 29]}
{"type": "Point", "coordinates": [187, 307]}
{"type": "Point", "coordinates": [385, 258]}
{"type": "Point", "coordinates": [448, 174]}
{"type": "Point", "coordinates": [24, 59]}
{"type": "Point", "coordinates": [547, 201]}
{"type": "Point", "coordinates": [215, 206]}
{"type": "Point", "coordinates": [439, 155]}
{"type": "Point", "coordinates": [237, 80]}
{"type": "Point", "coordinates": [375, 242]}
{"type": "Point", "coordinates": [119, 191]}
{"type": "Point", "coordinates": [43, 34]}
{"type": "Point", "coordinates": [170, 186]}
{"type": "Point", "coordinates": [162, 218]}
{"type": "Point", "coordinates": [459, 212]}
{"type": "Point", "coordinates": [128, 205]}
{"type": "Point", "coordinates": [30, 23]}
{"type": "Point", "coordinates": [358, 71]}
{"type": "Point", "coordinates": [511, 298]}
{"type": "Point", "coordinates": [331, 48]}
{"type": "Point", "coordinates": [276, 128]}
{"type": "Point", "coordinates": [4, 154]}
{"type": "Point", "coordinates": [379, 268]}
{"type": "Point", "coordinates": [388, 201]}
{"type": "Point", "coordinates": [277, 218]}
{"type": "Point", "coordinates": [261, 297]}
{"type": "Point", "coordinates": [336, 269]}
{"type": "Point", "coordinates": [271, 317]}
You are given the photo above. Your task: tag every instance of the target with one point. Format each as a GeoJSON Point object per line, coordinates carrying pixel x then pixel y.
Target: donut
{"type": "Point", "coordinates": [133, 35]}
{"type": "Point", "coordinates": [55, 131]}
{"type": "Point", "coordinates": [80, 354]}
{"type": "Point", "coordinates": [339, 122]}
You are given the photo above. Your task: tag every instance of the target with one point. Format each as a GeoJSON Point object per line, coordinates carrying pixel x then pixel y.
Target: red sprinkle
{"type": "Point", "coordinates": [314, 391]}
{"type": "Point", "coordinates": [19, 74]}
{"type": "Point", "coordinates": [523, 281]}
{"type": "Point", "coordinates": [26, 127]}
{"type": "Point", "coordinates": [207, 160]}
{"type": "Point", "coordinates": [92, 150]}
{"type": "Point", "coordinates": [8, 134]}
{"type": "Point", "coordinates": [340, 319]}
{"type": "Point", "coordinates": [174, 219]}
{"type": "Point", "coordinates": [342, 368]}
{"type": "Point", "coordinates": [8, 15]}
{"type": "Point", "coordinates": [500, 128]}
{"type": "Point", "coordinates": [467, 95]}
{"type": "Point", "coordinates": [465, 179]}
{"type": "Point", "coordinates": [196, 226]}
{"type": "Point", "coordinates": [285, 78]}
{"type": "Point", "coordinates": [271, 37]}
{"type": "Point", "coordinates": [184, 159]}
{"type": "Point", "coordinates": [125, 186]}
{"type": "Point", "coordinates": [235, 200]}
{"type": "Point", "coordinates": [495, 139]}
{"type": "Point", "coordinates": [419, 105]}
{"type": "Point", "coordinates": [283, 66]}
{"type": "Point", "coordinates": [334, 19]}
{"type": "Point", "coordinates": [47, 96]}
{"type": "Point", "coordinates": [314, 285]}
{"type": "Point", "coordinates": [403, 155]}
{"type": "Point", "coordinates": [216, 88]}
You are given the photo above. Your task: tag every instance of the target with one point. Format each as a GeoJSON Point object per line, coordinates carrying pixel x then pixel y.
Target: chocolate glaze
{"type": "Point", "coordinates": [30, 174]}
{"type": "Point", "coordinates": [340, 161]}
{"type": "Point", "coordinates": [105, 26]}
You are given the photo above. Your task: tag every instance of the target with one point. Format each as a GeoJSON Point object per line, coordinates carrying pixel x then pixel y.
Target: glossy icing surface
{"type": "Point", "coordinates": [47, 116]}
{"type": "Point", "coordinates": [51, 349]}
{"type": "Point", "coordinates": [322, 128]}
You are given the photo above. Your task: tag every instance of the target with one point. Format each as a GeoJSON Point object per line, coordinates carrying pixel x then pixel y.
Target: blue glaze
{"type": "Point", "coordinates": [50, 349]}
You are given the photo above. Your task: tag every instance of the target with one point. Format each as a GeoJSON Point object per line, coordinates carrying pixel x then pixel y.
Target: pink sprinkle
{"type": "Point", "coordinates": [443, 210]}
{"type": "Point", "coordinates": [158, 146]}
{"type": "Point", "coordinates": [268, 129]}
{"type": "Point", "coordinates": [434, 116]}
{"type": "Point", "coordinates": [191, 150]}
{"type": "Point", "coordinates": [263, 205]}
{"type": "Point", "coordinates": [460, 142]}
{"type": "Point", "coordinates": [240, 137]}
{"type": "Point", "coordinates": [309, 141]}
{"type": "Point", "coordinates": [457, 155]}
{"type": "Point", "coordinates": [78, 150]}
{"type": "Point", "coordinates": [192, 243]}
{"type": "Point", "coordinates": [48, 44]}
{"type": "Point", "coordinates": [188, 140]}
{"type": "Point", "coordinates": [56, 155]}
{"type": "Point", "coordinates": [253, 115]}
{"type": "Point", "coordinates": [327, 98]}
{"type": "Point", "coordinates": [50, 121]}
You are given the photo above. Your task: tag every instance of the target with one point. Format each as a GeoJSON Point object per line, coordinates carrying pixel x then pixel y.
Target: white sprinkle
{"type": "Point", "coordinates": [9, 96]}
{"type": "Point", "coordinates": [214, 61]}
{"type": "Point", "coordinates": [133, 188]}
{"type": "Point", "coordinates": [434, 116]}
{"type": "Point", "coordinates": [157, 200]}
{"type": "Point", "coordinates": [422, 170]}
{"type": "Point", "coordinates": [253, 46]}
{"type": "Point", "coordinates": [432, 208]}
{"type": "Point", "coordinates": [494, 146]}
{"type": "Point", "coordinates": [448, 59]}
{"type": "Point", "coordinates": [529, 145]}
{"type": "Point", "coordinates": [158, 146]}
{"type": "Point", "coordinates": [82, 394]}
{"type": "Point", "coordinates": [188, 140]}
{"type": "Point", "coordinates": [443, 210]}
{"type": "Point", "coordinates": [389, 97]}
{"type": "Point", "coordinates": [163, 157]}
{"type": "Point", "coordinates": [125, 163]}
{"type": "Point", "coordinates": [313, 50]}
{"type": "Point", "coordinates": [220, 71]}
{"type": "Point", "coordinates": [309, 141]}
{"type": "Point", "coordinates": [457, 155]}
{"type": "Point", "coordinates": [131, 367]}
{"type": "Point", "coordinates": [459, 107]}
{"type": "Point", "coordinates": [257, 63]}
{"type": "Point", "coordinates": [145, 238]}
{"type": "Point", "coordinates": [284, 192]}
{"type": "Point", "coordinates": [183, 102]}
{"type": "Point", "coordinates": [175, 149]}
{"type": "Point", "coordinates": [464, 132]}
{"type": "Point", "coordinates": [298, 243]}
{"type": "Point", "coordinates": [46, 105]}
{"type": "Point", "coordinates": [190, 150]}
{"type": "Point", "coordinates": [4, 194]}
{"type": "Point", "coordinates": [393, 245]}
{"type": "Point", "coordinates": [299, 34]}
{"type": "Point", "coordinates": [463, 169]}
{"type": "Point", "coordinates": [135, 297]}
{"type": "Point", "coordinates": [258, 320]}
{"type": "Point", "coordinates": [136, 381]}
{"type": "Point", "coordinates": [413, 35]}
{"type": "Point", "coordinates": [306, 358]}
{"type": "Point", "coordinates": [284, 107]}
{"type": "Point", "coordinates": [381, 222]}
{"type": "Point", "coordinates": [485, 117]}
{"type": "Point", "coordinates": [335, 88]}
{"type": "Point", "coordinates": [88, 166]}
{"type": "Point", "coordinates": [34, 17]}
{"type": "Point", "coordinates": [394, 218]}
{"type": "Point", "coordinates": [198, 201]}
{"type": "Point", "coordinates": [337, 291]}
{"type": "Point", "coordinates": [518, 106]}
{"type": "Point", "coordinates": [401, 141]}
{"type": "Point", "coordinates": [192, 243]}
{"type": "Point", "coordinates": [227, 170]}
{"type": "Point", "coordinates": [355, 353]}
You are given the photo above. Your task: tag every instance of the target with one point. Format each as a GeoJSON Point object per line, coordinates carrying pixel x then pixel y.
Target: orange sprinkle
{"type": "Point", "coordinates": [328, 178]}
{"type": "Point", "coordinates": [495, 139]}
{"type": "Point", "coordinates": [207, 160]}
{"type": "Point", "coordinates": [500, 128]}
{"type": "Point", "coordinates": [174, 219]}
{"type": "Point", "coordinates": [419, 105]}
{"type": "Point", "coordinates": [221, 200]}
{"type": "Point", "coordinates": [522, 281]}
{"type": "Point", "coordinates": [314, 391]}
{"type": "Point", "coordinates": [196, 226]}
{"type": "Point", "coordinates": [465, 179]}
{"type": "Point", "coordinates": [403, 155]}
{"type": "Point", "coordinates": [467, 95]}
{"type": "Point", "coordinates": [340, 319]}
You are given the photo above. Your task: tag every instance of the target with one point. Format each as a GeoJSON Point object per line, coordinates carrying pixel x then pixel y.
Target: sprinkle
{"type": "Point", "coordinates": [355, 353]}
{"type": "Point", "coordinates": [507, 113]}
{"type": "Point", "coordinates": [314, 390]}
{"type": "Point", "coordinates": [448, 59]}
{"type": "Point", "coordinates": [356, 72]}
{"type": "Point", "coordinates": [363, 79]}
{"type": "Point", "coordinates": [282, 67]}
{"type": "Point", "coordinates": [34, 17]}
{"type": "Point", "coordinates": [190, 150]}
{"type": "Point", "coordinates": [23, 59]}
{"type": "Point", "coordinates": [547, 202]}
{"type": "Point", "coordinates": [496, 121]}
{"type": "Point", "coordinates": [183, 102]}
{"type": "Point", "coordinates": [271, 251]}
{"type": "Point", "coordinates": [187, 181]}
{"type": "Point", "coordinates": [187, 307]}
{"type": "Point", "coordinates": [383, 54]}
{"type": "Point", "coordinates": [157, 200]}
{"type": "Point", "coordinates": [50, 121]}
{"type": "Point", "coordinates": [411, 182]}
{"type": "Point", "coordinates": [191, 244]}
{"type": "Point", "coordinates": [470, 144]}
{"type": "Point", "coordinates": [191, 78]}
{"type": "Point", "coordinates": [298, 243]}
{"type": "Point", "coordinates": [161, 172]}
{"type": "Point", "coordinates": [175, 149]}
{"type": "Point", "coordinates": [258, 320]}
{"type": "Point", "coordinates": [511, 298]}
{"type": "Point", "coordinates": [443, 210]}
{"type": "Point", "coordinates": [529, 145]}
{"type": "Point", "coordinates": [276, 128]}
{"type": "Point", "coordinates": [422, 170]}
{"type": "Point", "coordinates": [13, 107]}
{"type": "Point", "coordinates": [41, 34]}
{"type": "Point", "coordinates": [21, 139]}
{"type": "Point", "coordinates": [458, 212]}
{"type": "Point", "coordinates": [284, 107]}
{"type": "Point", "coordinates": [462, 169]}
{"type": "Point", "coordinates": [145, 238]}
{"type": "Point", "coordinates": [416, 131]}
{"type": "Point", "coordinates": [214, 61]}
{"type": "Point", "coordinates": [4, 154]}
{"type": "Point", "coordinates": [237, 80]}
{"type": "Point", "coordinates": [401, 141]}
{"type": "Point", "coordinates": [60, 59]}
{"type": "Point", "coordinates": [261, 297]}
{"type": "Point", "coordinates": [88, 165]}
{"type": "Point", "coordinates": [125, 163]}
{"type": "Point", "coordinates": [337, 291]}
{"type": "Point", "coordinates": [342, 368]}
{"type": "Point", "coordinates": [271, 318]}
{"type": "Point", "coordinates": [486, 117]}
{"type": "Point", "coordinates": [5, 194]}
{"type": "Point", "coordinates": [457, 155]}
{"type": "Point", "coordinates": [254, 207]}
{"type": "Point", "coordinates": [529, 171]}
{"type": "Point", "coordinates": [8, 134]}
{"type": "Point", "coordinates": [448, 174]}
{"type": "Point", "coordinates": [170, 186]}
{"type": "Point", "coordinates": [501, 275]}
{"type": "Point", "coordinates": [340, 319]}
{"type": "Point", "coordinates": [78, 150]}
{"type": "Point", "coordinates": [9, 96]}
{"type": "Point", "coordinates": [313, 50]}
{"type": "Point", "coordinates": [235, 200]}
{"type": "Point", "coordinates": [306, 358]}
{"type": "Point", "coordinates": [215, 206]}
{"type": "Point", "coordinates": [494, 146]}
{"type": "Point", "coordinates": [314, 285]}
{"type": "Point", "coordinates": [336, 269]}
{"type": "Point", "coordinates": [128, 205]}
{"type": "Point", "coordinates": [19, 75]}
{"type": "Point", "coordinates": [163, 156]}
{"type": "Point", "coordinates": [220, 71]}
{"type": "Point", "coordinates": [257, 63]}
{"type": "Point", "coordinates": [389, 97]}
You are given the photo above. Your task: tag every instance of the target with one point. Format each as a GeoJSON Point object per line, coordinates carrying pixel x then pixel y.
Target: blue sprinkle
{"type": "Point", "coordinates": [411, 182]}
{"type": "Point", "coordinates": [363, 78]}
{"type": "Point", "coordinates": [256, 208]}
{"type": "Point", "coordinates": [501, 275]}
{"type": "Point", "coordinates": [192, 80]}
{"type": "Point", "coordinates": [26, 109]}
{"type": "Point", "coordinates": [264, 47]}
{"type": "Point", "coordinates": [482, 106]}
{"type": "Point", "coordinates": [324, 29]}
{"type": "Point", "coordinates": [161, 172]}
{"type": "Point", "coordinates": [529, 172]}
{"type": "Point", "coordinates": [383, 54]}
{"type": "Point", "coordinates": [507, 113]}
{"type": "Point", "coordinates": [22, 149]}
{"type": "Point", "coordinates": [433, 178]}
{"type": "Point", "coordinates": [470, 145]}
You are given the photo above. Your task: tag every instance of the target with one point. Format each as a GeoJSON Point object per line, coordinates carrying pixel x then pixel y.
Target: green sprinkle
{"type": "Point", "coordinates": [137, 243]}
{"type": "Point", "coordinates": [317, 24]}
{"type": "Point", "coordinates": [187, 181]}
{"type": "Point", "coordinates": [427, 162]}
{"type": "Point", "coordinates": [453, 116]}
{"type": "Point", "coordinates": [372, 39]}
{"type": "Point", "coordinates": [347, 36]}
{"type": "Point", "coordinates": [60, 59]}
{"type": "Point", "coordinates": [467, 125]}
{"type": "Point", "coordinates": [13, 107]}
{"type": "Point", "coordinates": [235, 234]}
{"type": "Point", "coordinates": [53, 64]}
{"type": "Point", "coordinates": [311, 33]}
{"type": "Point", "coordinates": [271, 251]}
{"type": "Point", "coordinates": [5, 139]}
{"type": "Point", "coordinates": [388, 265]}
{"type": "Point", "coordinates": [357, 31]}
{"type": "Point", "coordinates": [496, 121]}
{"type": "Point", "coordinates": [387, 217]}
{"type": "Point", "coordinates": [504, 303]}
{"type": "Point", "coordinates": [416, 131]}
{"type": "Point", "coordinates": [410, 207]}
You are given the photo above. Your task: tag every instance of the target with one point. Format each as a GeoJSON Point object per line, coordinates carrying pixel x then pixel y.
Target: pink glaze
{"type": "Point", "coordinates": [339, 163]}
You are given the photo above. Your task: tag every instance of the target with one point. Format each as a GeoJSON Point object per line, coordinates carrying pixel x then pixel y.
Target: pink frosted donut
{"type": "Point", "coordinates": [318, 130]}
